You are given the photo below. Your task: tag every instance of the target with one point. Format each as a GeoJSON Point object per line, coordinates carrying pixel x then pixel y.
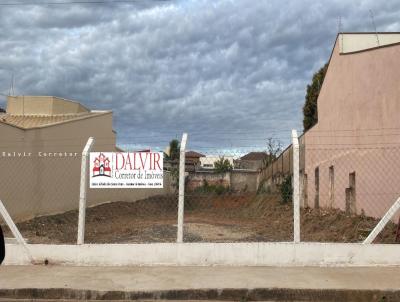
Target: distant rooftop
{"type": "Point", "coordinates": [359, 41]}
{"type": "Point", "coordinates": [194, 154]}
{"type": "Point", "coordinates": [255, 156]}
{"type": "Point", "coordinates": [27, 112]}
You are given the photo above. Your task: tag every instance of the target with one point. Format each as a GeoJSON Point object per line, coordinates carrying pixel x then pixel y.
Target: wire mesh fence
{"type": "Point", "coordinates": [36, 188]}
{"type": "Point", "coordinates": [224, 201]}
{"type": "Point", "coordinates": [346, 190]}
{"type": "Point", "coordinates": [149, 219]}
{"type": "Point", "coordinates": [41, 192]}
{"type": "Point", "coordinates": [237, 193]}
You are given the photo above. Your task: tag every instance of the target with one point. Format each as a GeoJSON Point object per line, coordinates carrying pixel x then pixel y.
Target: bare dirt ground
{"type": "Point", "coordinates": [208, 218]}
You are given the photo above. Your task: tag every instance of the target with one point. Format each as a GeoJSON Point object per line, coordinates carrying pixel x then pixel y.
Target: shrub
{"type": "Point", "coordinates": [219, 190]}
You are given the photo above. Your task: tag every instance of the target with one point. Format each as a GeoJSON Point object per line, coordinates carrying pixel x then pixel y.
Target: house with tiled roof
{"type": "Point", "coordinates": [192, 160]}
{"type": "Point", "coordinates": [48, 120]}
{"type": "Point", "coordinates": [252, 161]}
{"type": "Point", "coordinates": [193, 154]}
{"type": "Point", "coordinates": [41, 142]}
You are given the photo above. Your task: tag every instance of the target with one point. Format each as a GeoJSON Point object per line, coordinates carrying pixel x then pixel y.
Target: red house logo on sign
{"type": "Point", "coordinates": [101, 166]}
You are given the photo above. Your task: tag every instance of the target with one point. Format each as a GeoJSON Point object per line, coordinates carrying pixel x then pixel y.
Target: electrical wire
{"type": "Point", "coordinates": [74, 2]}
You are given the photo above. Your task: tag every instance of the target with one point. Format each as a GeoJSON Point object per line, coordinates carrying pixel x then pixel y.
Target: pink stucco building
{"type": "Point", "coordinates": [351, 158]}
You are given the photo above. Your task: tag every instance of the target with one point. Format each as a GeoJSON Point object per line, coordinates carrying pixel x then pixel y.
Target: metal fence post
{"type": "Point", "coordinates": [382, 223]}
{"type": "Point", "coordinates": [181, 198]}
{"type": "Point", "coordinates": [296, 187]}
{"type": "Point", "coordinates": [82, 191]}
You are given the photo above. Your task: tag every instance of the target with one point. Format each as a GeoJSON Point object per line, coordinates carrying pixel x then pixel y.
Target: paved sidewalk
{"type": "Point", "coordinates": [212, 283]}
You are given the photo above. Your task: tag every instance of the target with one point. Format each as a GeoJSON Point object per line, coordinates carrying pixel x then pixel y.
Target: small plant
{"type": "Point", "coordinates": [286, 189]}
{"type": "Point", "coordinates": [219, 189]}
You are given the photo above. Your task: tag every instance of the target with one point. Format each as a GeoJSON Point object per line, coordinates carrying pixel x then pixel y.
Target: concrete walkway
{"type": "Point", "coordinates": [194, 283]}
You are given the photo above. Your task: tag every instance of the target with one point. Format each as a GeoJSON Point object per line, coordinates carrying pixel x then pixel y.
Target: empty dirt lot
{"type": "Point", "coordinates": [208, 218]}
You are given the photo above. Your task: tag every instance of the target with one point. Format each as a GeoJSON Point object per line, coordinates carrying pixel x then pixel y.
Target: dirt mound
{"type": "Point", "coordinates": [336, 226]}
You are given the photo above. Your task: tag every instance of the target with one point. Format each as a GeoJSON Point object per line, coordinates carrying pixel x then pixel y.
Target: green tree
{"type": "Point", "coordinates": [2, 110]}
{"type": "Point", "coordinates": [172, 155]}
{"type": "Point", "coordinates": [310, 108]}
{"type": "Point", "coordinates": [223, 165]}
{"type": "Point", "coordinates": [173, 150]}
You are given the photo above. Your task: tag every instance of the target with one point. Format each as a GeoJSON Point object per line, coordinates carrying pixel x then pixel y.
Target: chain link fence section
{"type": "Point", "coordinates": [346, 190]}
{"type": "Point", "coordinates": [145, 215]}
{"type": "Point", "coordinates": [227, 200]}
{"type": "Point", "coordinates": [35, 189]}
{"type": "Point", "coordinates": [231, 194]}
{"type": "Point", "coordinates": [135, 215]}
{"type": "Point", "coordinates": [41, 191]}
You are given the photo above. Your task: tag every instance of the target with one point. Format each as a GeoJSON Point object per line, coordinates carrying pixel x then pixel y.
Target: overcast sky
{"type": "Point", "coordinates": [230, 73]}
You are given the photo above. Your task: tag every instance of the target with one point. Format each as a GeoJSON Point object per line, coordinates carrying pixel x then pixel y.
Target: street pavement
{"type": "Point", "coordinates": [201, 283]}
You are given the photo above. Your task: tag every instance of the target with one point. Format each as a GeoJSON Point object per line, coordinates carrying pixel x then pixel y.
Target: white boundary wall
{"type": "Point", "coordinates": [204, 254]}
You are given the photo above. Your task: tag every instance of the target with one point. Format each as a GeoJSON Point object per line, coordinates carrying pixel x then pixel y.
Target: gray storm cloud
{"type": "Point", "coordinates": [228, 72]}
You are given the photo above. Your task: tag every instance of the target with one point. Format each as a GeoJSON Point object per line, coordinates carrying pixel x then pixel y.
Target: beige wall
{"type": "Point", "coordinates": [357, 41]}
{"type": "Point", "coordinates": [42, 105]}
{"type": "Point", "coordinates": [357, 131]}
{"type": "Point", "coordinates": [235, 180]}
{"type": "Point", "coordinates": [244, 181]}
{"type": "Point", "coordinates": [200, 178]}
{"type": "Point", "coordinates": [249, 164]}
{"type": "Point", "coordinates": [40, 185]}
{"type": "Point", "coordinates": [274, 173]}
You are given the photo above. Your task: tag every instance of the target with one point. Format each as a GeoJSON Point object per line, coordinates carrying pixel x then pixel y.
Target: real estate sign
{"type": "Point", "coordinates": [126, 169]}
